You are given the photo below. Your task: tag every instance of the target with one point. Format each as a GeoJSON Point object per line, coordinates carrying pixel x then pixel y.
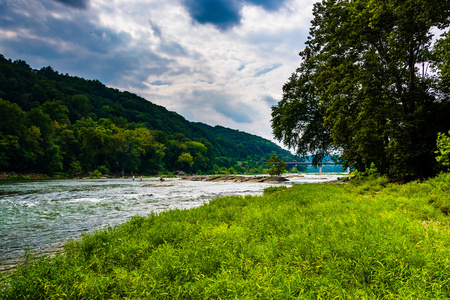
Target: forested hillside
{"type": "Point", "coordinates": [241, 145]}
{"type": "Point", "coordinates": [54, 122]}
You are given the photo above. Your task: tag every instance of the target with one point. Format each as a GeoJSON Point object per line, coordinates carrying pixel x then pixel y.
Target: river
{"type": "Point", "coordinates": [42, 215]}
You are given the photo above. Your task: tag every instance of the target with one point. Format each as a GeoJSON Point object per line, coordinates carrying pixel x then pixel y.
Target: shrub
{"type": "Point", "coordinates": [103, 169]}
{"type": "Point", "coordinates": [95, 174]}
{"type": "Point", "coordinates": [443, 145]}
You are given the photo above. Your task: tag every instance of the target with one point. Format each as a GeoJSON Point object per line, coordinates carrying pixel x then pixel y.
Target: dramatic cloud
{"type": "Point", "coordinates": [221, 62]}
{"type": "Point", "coordinates": [224, 14]}
{"type": "Point", "coordinates": [221, 13]}
{"type": "Point", "coordinates": [81, 4]}
{"type": "Point", "coordinates": [267, 4]}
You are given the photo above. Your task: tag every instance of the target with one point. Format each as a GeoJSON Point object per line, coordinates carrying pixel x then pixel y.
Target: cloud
{"type": "Point", "coordinates": [172, 48]}
{"type": "Point", "coordinates": [215, 107]}
{"type": "Point", "coordinates": [239, 112]}
{"type": "Point", "coordinates": [159, 83]}
{"type": "Point", "coordinates": [75, 44]}
{"type": "Point", "coordinates": [224, 14]}
{"type": "Point", "coordinates": [156, 29]}
{"type": "Point", "coordinates": [269, 5]}
{"type": "Point", "coordinates": [271, 101]}
{"type": "Point", "coordinates": [80, 4]}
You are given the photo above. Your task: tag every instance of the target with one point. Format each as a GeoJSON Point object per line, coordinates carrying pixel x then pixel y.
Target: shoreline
{"type": "Point", "coordinates": [13, 263]}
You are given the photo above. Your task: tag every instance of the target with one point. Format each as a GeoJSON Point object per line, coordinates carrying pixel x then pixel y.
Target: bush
{"type": "Point", "coordinates": [371, 173]}
{"type": "Point", "coordinates": [443, 145]}
{"type": "Point", "coordinates": [95, 174]}
{"type": "Point", "coordinates": [18, 177]}
{"type": "Point", "coordinates": [75, 167]}
{"type": "Point", "coordinates": [103, 169]}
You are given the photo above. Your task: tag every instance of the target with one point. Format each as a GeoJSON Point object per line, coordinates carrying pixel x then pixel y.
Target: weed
{"type": "Point", "coordinates": [274, 189]}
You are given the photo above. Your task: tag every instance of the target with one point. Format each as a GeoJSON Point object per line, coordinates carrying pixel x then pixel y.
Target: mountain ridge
{"type": "Point", "coordinates": [36, 90]}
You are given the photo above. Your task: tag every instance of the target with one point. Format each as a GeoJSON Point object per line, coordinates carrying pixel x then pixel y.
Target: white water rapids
{"type": "Point", "coordinates": [42, 215]}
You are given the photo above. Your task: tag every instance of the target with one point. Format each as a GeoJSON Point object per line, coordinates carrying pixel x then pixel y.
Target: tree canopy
{"type": "Point", "coordinates": [278, 166]}
{"type": "Point", "coordinates": [372, 86]}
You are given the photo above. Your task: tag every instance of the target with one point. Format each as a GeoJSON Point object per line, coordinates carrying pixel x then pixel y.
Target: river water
{"type": "Point", "coordinates": [41, 215]}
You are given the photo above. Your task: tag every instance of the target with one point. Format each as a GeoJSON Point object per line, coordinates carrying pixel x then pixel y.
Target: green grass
{"type": "Point", "coordinates": [369, 240]}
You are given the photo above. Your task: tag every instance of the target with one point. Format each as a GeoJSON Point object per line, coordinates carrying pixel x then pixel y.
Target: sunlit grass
{"type": "Point", "coordinates": [367, 240]}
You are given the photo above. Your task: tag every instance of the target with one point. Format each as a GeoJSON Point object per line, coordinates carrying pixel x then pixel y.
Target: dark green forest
{"type": "Point", "coordinates": [56, 123]}
{"type": "Point", "coordinates": [372, 86]}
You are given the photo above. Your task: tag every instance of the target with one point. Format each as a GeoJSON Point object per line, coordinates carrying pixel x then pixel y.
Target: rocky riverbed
{"type": "Point", "coordinates": [236, 178]}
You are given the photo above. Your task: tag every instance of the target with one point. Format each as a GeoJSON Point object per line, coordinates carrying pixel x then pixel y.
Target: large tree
{"type": "Point", "coordinates": [366, 87]}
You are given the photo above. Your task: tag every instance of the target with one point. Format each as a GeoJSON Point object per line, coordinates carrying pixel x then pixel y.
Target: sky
{"type": "Point", "coordinates": [220, 62]}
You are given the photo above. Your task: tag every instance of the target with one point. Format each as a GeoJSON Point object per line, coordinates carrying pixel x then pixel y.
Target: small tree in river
{"type": "Point", "coordinates": [278, 165]}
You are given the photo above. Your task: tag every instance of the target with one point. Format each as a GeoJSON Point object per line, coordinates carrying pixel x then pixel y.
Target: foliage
{"type": "Point", "coordinates": [186, 161]}
{"type": "Point", "coordinates": [18, 176]}
{"type": "Point", "coordinates": [363, 88]}
{"type": "Point", "coordinates": [103, 169]}
{"type": "Point", "coordinates": [278, 166]}
{"type": "Point", "coordinates": [371, 173]}
{"type": "Point", "coordinates": [95, 174]}
{"type": "Point", "coordinates": [443, 146]}
{"type": "Point", "coordinates": [309, 241]}
{"type": "Point", "coordinates": [57, 123]}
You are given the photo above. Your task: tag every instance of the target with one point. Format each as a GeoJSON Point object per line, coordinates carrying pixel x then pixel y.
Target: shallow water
{"type": "Point", "coordinates": [42, 215]}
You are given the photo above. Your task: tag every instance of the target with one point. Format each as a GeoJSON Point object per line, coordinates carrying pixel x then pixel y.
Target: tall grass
{"type": "Point", "coordinates": [372, 240]}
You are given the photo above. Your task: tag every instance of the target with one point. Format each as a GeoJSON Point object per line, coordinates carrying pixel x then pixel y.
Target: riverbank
{"type": "Point", "coordinates": [39, 176]}
{"type": "Point", "coordinates": [359, 240]}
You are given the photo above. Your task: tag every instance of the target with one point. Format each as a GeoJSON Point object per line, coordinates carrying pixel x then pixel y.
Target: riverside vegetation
{"type": "Point", "coordinates": [365, 239]}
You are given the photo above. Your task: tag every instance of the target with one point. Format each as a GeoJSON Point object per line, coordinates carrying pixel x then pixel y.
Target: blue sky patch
{"type": "Point", "coordinates": [267, 70]}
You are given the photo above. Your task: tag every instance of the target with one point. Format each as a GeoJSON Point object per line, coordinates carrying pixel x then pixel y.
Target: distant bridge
{"type": "Point", "coordinates": [308, 163]}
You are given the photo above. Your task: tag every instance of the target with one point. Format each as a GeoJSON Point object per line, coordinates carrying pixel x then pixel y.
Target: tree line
{"type": "Point", "coordinates": [44, 139]}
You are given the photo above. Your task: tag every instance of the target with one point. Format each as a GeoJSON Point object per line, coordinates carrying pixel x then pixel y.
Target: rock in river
{"type": "Point", "coordinates": [234, 178]}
